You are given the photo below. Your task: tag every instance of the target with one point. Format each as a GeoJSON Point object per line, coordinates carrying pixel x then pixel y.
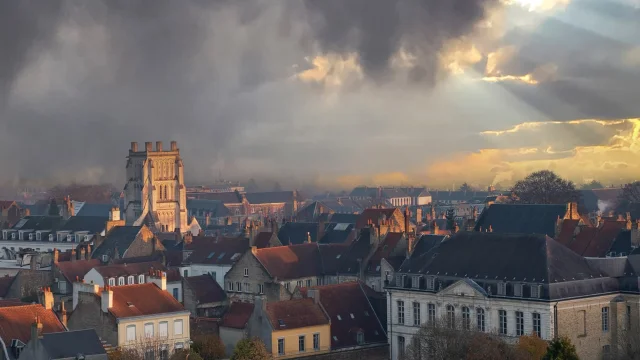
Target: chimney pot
{"type": "Point", "coordinates": [158, 145]}
{"type": "Point", "coordinates": [148, 146]}
{"type": "Point", "coordinates": [134, 146]}
{"type": "Point", "coordinates": [174, 146]}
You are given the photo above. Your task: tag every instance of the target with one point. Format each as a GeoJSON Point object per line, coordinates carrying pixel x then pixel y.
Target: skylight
{"type": "Point", "coordinates": [335, 338]}
{"type": "Point", "coordinates": [378, 268]}
{"type": "Point", "coordinates": [221, 256]}
{"type": "Point", "coordinates": [235, 256]}
{"type": "Point", "coordinates": [211, 255]}
{"type": "Point", "coordinates": [341, 227]}
{"type": "Point", "coordinates": [280, 322]}
{"type": "Point", "coordinates": [339, 318]}
{"type": "Point", "coordinates": [338, 257]}
{"type": "Point", "coordinates": [353, 317]}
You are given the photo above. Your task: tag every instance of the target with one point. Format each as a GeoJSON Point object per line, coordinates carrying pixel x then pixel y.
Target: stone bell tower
{"type": "Point", "coordinates": [154, 193]}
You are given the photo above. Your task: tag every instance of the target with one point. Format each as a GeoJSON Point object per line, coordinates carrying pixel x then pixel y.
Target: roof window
{"type": "Point", "coordinates": [339, 317]}
{"type": "Point", "coordinates": [221, 256]}
{"type": "Point", "coordinates": [353, 317]}
{"type": "Point", "coordinates": [280, 323]}
{"type": "Point", "coordinates": [211, 255]}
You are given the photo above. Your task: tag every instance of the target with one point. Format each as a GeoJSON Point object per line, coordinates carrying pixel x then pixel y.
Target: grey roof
{"type": "Point", "coordinates": [270, 197]}
{"type": "Point", "coordinates": [335, 233]}
{"type": "Point", "coordinates": [38, 223]}
{"type": "Point", "coordinates": [120, 237]}
{"type": "Point", "coordinates": [293, 233]}
{"type": "Point", "coordinates": [521, 218]}
{"type": "Point", "coordinates": [439, 195]}
{"type": "Point", "coordinates": [215, 208]}
{"type": "Point", "coordinates": [344, 218]}
{"type": "Point", "coordinates": [390, 193]}
{"type": "Point", "coordinates": [364, 191]}
{"type": "Point", "coordinates": [231, 197]}
{"type": "Point", "coordinates": [89, 209]}
{"type": "Point", "coordinates": [68, 344]}
{"type": "Point", "coordinates": [92, 224]}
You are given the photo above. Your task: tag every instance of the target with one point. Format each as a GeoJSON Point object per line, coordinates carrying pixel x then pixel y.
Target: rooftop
{"type": "Point", "coordinates": [237, 315]}
{"type": "Point", "coordinates": [295, 314]}
{"type": "Point", "coordinates": [68, 344]}
{"type": "Point", "coordinates": [142, 299]}
{"type": "Point", "coordinates": [206, 289]}
{"type": "Point", "coordinates": [16, 321]}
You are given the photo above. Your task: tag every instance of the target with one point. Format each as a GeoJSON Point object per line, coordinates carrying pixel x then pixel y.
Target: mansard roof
{"type": "Point", "coordinates": [521, 218]}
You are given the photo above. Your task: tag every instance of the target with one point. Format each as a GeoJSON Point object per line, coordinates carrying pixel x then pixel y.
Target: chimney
{"type": "Point", "coordinates": [83, 253]}
{"type": "Point", "coordinates": [107, 299]}
{"type": "Point", "coordinates": [174, 146]}
{"type": "Point", "coordinates": [436, 229]}
{"type": "Point", "coordinates": [475, 213]}
{"type": "Point", "coordinates": [159, 278]}
{"type": "Point", "coordinates": [134, 146]}
{"type": "Point", "coordinates": [114, 214]}
{"type": "Point", "coordinates": [407, 219]}
{"type": "Point", "coordinates": [73, 255]}
{"type": "Point", "coordinates": [148, 146]}
{"type": "Point", "coordinates": [56, 254]}
{"type": "Point", "coordinates": [88, 251]}
{"type": "Point", "coordinates": [47, 298]}
{"type": "Point", "coordinates": [188, 237]}
{"type": "Point", "coordinates": [34, 262]}
{"type": "Point", "coordinates": [36, 329]}
{"type": "Point", "coordinates": [63, 314]}
{"type": "Point", "coordinates": [418, 215]}
{"type": "Point", "coordinates": [158, 145]}
{"type": "Point", "coordinates": [308, 237]}
{"type": "Point", "coordinates": [207, 220]}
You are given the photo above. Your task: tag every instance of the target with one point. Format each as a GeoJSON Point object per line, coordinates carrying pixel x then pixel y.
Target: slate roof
{"type": "Point", "coordinates": [443, 195]}
{"type": "Point", "coordinates": [298, 261]}
{"type": "Point", "coordinates": [237, 315]}
{"type": "Point", "coordinates": [38, 223]}
{"type": "Point", "coordinates": [206, 289]}
{"type": "Point", "coordinates": [269, 197]}
{"type": "Point", "coordinates": [215, 208]}
{"type": "Point", "coordinates": [349, 301]}
{"type": "Point", "coordinates": [16, 321]}
{"type": "Point", "coordinates": [427, 242]}
{"type": "Point", "coordinates": [521, 218]}
{"type": "Point", "coordinates": [68, 344]}
{"type": "Point", "coordinates": [5, 284]}
{"type": "Point", "coordinates": [374, 215]}
{"type": "Point", "coordinates": [121, 237]}
{"type": "Point", "coordinates": [384, 250]}
{"type": "Point", "coordinates": [357, 253]}
{"type": "Point", "coordinates": [296, 233]}
{"type": "Point", "coordinates": [622, 243]}
{"type": "Point", "coordinates": [262, 239]}
{"type": "Point", "coordinates": [232, 197]}
{"type": "Point", "coordinates": [498, 256]}
{"type": "Point", "coordinates": [89, 209]}
{"type": "Point", "coordinates": [77, 269]}
{"type": "Point", "coordinates": [216, 250]}
{"type": "Point", "coordinates": [92, 224]}
{"type": "Point", "coordinates": [142, 299]}
{"type": "Point", "coordinates": [364, 191]}
{"type": "Point", "coordinates": [391, 193]}
{"type": "Point", "coordinates": [344, 218]}
{"type": "Point", "coordinates": [338, 233]}
{"type": "Point", "coordinates": [295, 314]}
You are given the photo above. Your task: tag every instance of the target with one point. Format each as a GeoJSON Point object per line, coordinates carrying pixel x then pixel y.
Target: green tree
{"type": "Point", "coordinates": [210, 347]}
{"type": "Point", "coordinates": [250, 349]}
{"type": "Point", "coordinates": [594, 184]}
{"type": "Point", "coordinates": [561, 349]}
{"type": "Point", "coordinates": [465, 187]}
{"type": "Point", "coordinates": [544, 187]}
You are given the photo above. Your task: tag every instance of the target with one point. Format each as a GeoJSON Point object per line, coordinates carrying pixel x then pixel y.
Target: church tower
{"type": "Point", "coordinates": [154, 193]}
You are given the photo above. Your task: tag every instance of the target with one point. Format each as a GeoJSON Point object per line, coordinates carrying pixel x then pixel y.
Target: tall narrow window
{"type": "Point", "coordinates": [131, 333]}
{"type": "Point", "coordinates": [163, 329]}
{"type": "Point", "coordinates": [416, 314]}
{"type": "Point", "coordinates": [480, 319]}
{"type": "Point", "coordinates": [301, 347]}
{"type": "Point", "coordinates": [451, 316]}
{"type": "Point", "coordinates": [466, 318]}
{"type": "Point", "coordinates": [537, 324]}
{"type": "Point", "coordinates": [605, 319]}
{"type": "Point", "coordinates": [502, 319]}
{"type": "Point", "coordinates": [519, 323]}
{"type": "Point", "coordinates": [177, 327]}
{"type": "Point", "coordinates": [431, 313]}
{"type": "Point", "coordinates": [148, 330]}
{"type": "Point", "coordinates": [401, 347]}
{"type": "Point", "coordinates": [400, 312]}
{"type": "Point", "coordinates": [280, 346]}
{"type": "Point", "coordinates": [316, 341]}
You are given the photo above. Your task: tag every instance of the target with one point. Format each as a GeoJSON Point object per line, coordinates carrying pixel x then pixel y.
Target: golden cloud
{"type": "Point", "coordinates": [539, 5]}
{"type": "Point", "coordinates": [331, 70]}
{"type": "Point", "coordinates": [542, 73]}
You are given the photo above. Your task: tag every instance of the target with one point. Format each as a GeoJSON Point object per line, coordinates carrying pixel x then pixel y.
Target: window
{"type": "Point", "coordinates": [517, 290]}
{"type": "Point", "coordinates": [386, 275]}
{"type": "Point", "coordinates": [400, 312]}
{"type": "Point", "coordinates": [246, 271]}
{"type": "Point", "coordinates": [519, 323]}
{"type": "Point", "coordinates": [628, 317]}
{"type": "Point", "coordinates": [238, 286]}
{"type": "Point", "coordinates": [260, 288]}
{"type": "Point", "coordinates": [502, 288]}
{"type": "Point", "coordinates": [451, 316]}
{"type": "Point", "coordinates": [537, 324]}
{"type": "Point", "coordinates": [535, 291]}
{"type": "Point", "coordinates": [177, 327]}
{"type": "Point", "coordinates": [480, 319]}
{"type": "Point", "coordinates": [149, 354]}
{"type": "Point", "coordinates": [164, 352]}
{"type": "Point", "coordinates": [130, 280]}
{"type": "Point", "coordinates": [360, 338]}
{"type": "Point", "coordinates": [301, 343]}
{"type": "Point", "coordinates": [399, 280]}
{"type": "Point", "coordinates": [62, 286]}
{"type": "Point", "coordinates": [112, 282]}
{"type": "Point", "coordinates": [148, 330]}
{"type": "Point", "coordinates": [309, 283]}
{"type": "Point", "coordinates": [401, 348]}
{"type": "Point", "coordinates": [163, 329]}
{"type": "Point", "coordinates": [247, 287]}
{"type": "Point", "coordinates": [280, 346]}
{"type": "Point", "coordinates": [175, 294]}
{"type": "Point", "coordinates": [299, 283]}
{"type": "Point", "coordinates": [416, 314]}
{"type": "Point", "coordinates": [286, 286]}
{"type": "Point", "coordinates": [121, 280]}
{"type": "Point", "coordinates": [316, 341]}
{"type": "Point", "coordinates": [605, 319]}
{"type": "Point", "coordinates": [415, 282]}
{"type": "Point", "coordinates": [140, 279]}
{"type": "Point", "coordinates": [131, 333]}
{"type": "Point", "coordinates": [430, 282]}
{"type": "Point", "coordinates": [230, 286]}
{"type": "Point", "coordinates": [185, 273]}
{"type": "Point", "coordinates": [431, 313]}
{"type": "Point", "coordinates": [466, 318]}
{"type": "Point", "coordinates": [318, 281]}
{"type": "Point", "coordinates": [502, 317]}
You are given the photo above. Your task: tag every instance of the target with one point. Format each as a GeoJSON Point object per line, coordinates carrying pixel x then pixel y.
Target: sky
{"type": "Point", "coordinates": [323, 93]}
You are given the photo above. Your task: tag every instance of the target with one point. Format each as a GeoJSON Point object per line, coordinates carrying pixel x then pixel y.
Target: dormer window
{"type": "Point", "coordinates": [39, 236]}
{"type": "Point", "coordinates": [415, 282]}
{"type": "Point", "coordinates": [112, 282]}
{"type": "Point", "coordinates": [517, 290]}
{"type": "Point", "coordinates": [431, 281]}
{"type": "Point", "coordinates": [360, 337]}
{"type": "Point", "coordinates": [121, 280]}
{"type": "Point", "coordinates": [50, 237]}
{"type": "Point", "coordinates": [536, 290]}
{"type": "Point", "coordinates": [31, 236]}
{"type": "Point", "coordinates": [131, 280]}
{"type": "Point", "coordinates": [140, 279]}
{"type": "Point", "coordinates": [13, 236]}
{"type": "Point", "coordinates": [69, 238]}
{"type": "Point", "coordinates": [399, 280]}
{"type": "Point", "coordinates": [502, 288]}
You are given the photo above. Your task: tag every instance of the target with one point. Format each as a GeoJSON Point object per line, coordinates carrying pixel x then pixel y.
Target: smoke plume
{"type": "Point", "coordinates": [80, 80]}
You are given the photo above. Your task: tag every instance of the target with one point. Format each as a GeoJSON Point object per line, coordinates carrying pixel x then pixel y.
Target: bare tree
{"type": "Point", "coordinates": [544, 187]}
{"type": "Point", "coordinates": [147, 348]}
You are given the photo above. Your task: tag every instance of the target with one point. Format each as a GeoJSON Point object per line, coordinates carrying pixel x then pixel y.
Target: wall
{"type": "Point", "coordinates": [174, 285]}
{"type": "Point", "coordinates": [88, 315]}
{"type": "Point", "coordinates": [257, 275]}
{"type": "Point", "coordinates": [94, 277]}
{"type": "Point", "coordinates": [230, 337]}
{"type": "Point", "coordinates": [139, 323]}
{"type": "Point", "coordinates": [291, 341]}
{"type": "Point", "coordinates": [28, 282]}
{"type": "Point", "coordinates": [201, 269]}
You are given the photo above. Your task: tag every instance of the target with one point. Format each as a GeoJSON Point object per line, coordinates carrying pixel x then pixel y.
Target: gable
{"type": "Point", "coordinates": [466, 288]}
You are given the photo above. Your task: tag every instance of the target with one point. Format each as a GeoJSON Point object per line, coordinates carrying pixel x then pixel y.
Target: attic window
{"type": "Point", "coordinates": [366, 313]}
{"type": "Point", "coordinates": [378, 268]}
{"type": "Point", "coordinates": [338, 256]}
{"type": "Point", "coordinates": [129, 304]}
{"type": "Point", "coordinates": [502, 288]}
{"type": "Point", "coordinates": [376, 332]}
{"type": "Point", "coordinates": [221, 256]}
{"type": "Point", "coordinates": [335, 338]}
{"type": "Point", "coordinates": [415, 282]}
{"type": "Point", "coordinates": [353, 317]}
{"type": "Point", "coordinates": [339, 318]}
{"type": "Point", "coordinates": [235, 256]}
{"type": "Point", "coordinates": [211, 255]}
{"type": "Point", "coordinates": [431, 282]}
{"type": "Point", "coordinates": [535, 291]}
{"type": "Point", "coordinates": [360, 337]}
{"type": "Point", "coordinates": [281, 323]}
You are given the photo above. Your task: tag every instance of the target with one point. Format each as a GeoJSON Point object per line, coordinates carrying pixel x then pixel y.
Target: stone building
{"type": "Point", "coordinates": [203, 297]}
{"type": "Point", "coordinates": [155, 193]}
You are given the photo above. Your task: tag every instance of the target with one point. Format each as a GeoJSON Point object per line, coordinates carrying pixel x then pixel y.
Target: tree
{"type": "Point", "coordinates": [533, 345]}
{"type": "Point", "coordinates": [629, 198]}
{"type": "Point", "coordinates": [451, 219]}
{"type": "Point", "coordinates": [210, 347]}
{"type": "Point", "coordinates": [250, 349]}
{"type": "Point", "coordinates": [594, 184]}
{"type": "Point", "coordinates": [561, 349]}
{"type": "Point", "coordinates": [465, 187]}
{"type": "Point", "coordinates": [184, 354]}
{"type": "Point", "coordinates": [53, 208]}
{"type": "Point", "coordinates": [544, 187]}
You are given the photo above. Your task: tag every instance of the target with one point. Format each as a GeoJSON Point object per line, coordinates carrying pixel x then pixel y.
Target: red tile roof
{"type": "Point", "coordinates": [16, 321]}
{"type": "Point", "coordinates": [216, 250]}
{"type": "Point", "coordinates": [349, 301]}
{"type": "Point", "coordinates": [294, 314]}
{"type": "Point", "coordinates": [79, 268]}
{"type": "Point", "coordinates": [592, 241]}
{"type": "Point", "coordinates": [142, 299]}
{"type": "Point", "coordinates": [206, 289]}
{"type": "Point", "coordinates": [5, 284]}
{"type": "Point", "coordinates": [8, 303]}
{"type": "Point", "coordinates": [291, 262]}
{"type": "Point", "coordinates": [374, 215]}
{"type": "Point", "coordinates": [567, 229]}
{"type": "Point", "coordinates": [238, 315]}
